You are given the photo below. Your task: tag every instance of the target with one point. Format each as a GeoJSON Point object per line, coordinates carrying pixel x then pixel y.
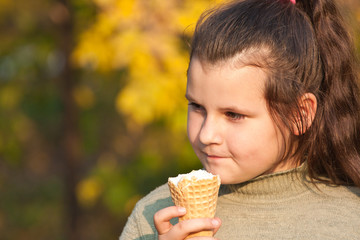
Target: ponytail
{"type": "Point", "coordinates": [335, 152]}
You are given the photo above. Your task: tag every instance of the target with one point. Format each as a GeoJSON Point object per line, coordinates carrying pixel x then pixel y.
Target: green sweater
{"type": "Point", "coordinates": [277, 206]}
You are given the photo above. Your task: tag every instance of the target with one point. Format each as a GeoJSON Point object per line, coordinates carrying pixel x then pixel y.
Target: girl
{"type": "Point", "coordinates": [274, 110]}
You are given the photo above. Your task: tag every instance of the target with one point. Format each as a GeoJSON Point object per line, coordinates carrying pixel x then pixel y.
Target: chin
{"type": "Point", "coordinates": [223, 177]}
{"type": "Point", "coordinates": [227, 181]}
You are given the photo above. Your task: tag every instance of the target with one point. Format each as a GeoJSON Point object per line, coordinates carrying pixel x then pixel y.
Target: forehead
{"type": "Point", "coordinates": [225, 82]}
{"type": "Point", "coordinates": [236, 67]}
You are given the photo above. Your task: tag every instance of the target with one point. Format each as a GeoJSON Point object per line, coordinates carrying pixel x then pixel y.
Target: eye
{"type": "Point", "coordinates": [194, 106]}
{"type": "Point", "coordinates": [234, 116]}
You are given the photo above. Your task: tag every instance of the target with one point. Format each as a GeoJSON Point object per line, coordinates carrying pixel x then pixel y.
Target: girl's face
{"type": "Point", "coordinates": [229, 125]}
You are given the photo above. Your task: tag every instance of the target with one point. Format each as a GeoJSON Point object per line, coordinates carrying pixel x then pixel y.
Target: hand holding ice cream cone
{"type": "Point", "coordinates": [183, 229]}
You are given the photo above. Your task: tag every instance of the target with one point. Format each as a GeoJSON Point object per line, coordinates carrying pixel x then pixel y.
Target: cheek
{"type": "Point", "coordinates": [253, 141]}
{"type": "Point", "coordinates": [194, 122]}
{"type": "Point", "coordinates": [242, 146]}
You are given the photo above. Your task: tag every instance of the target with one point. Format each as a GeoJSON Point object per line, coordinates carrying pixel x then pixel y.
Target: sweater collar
{"type": "Point", "coordinates": [279, 185]}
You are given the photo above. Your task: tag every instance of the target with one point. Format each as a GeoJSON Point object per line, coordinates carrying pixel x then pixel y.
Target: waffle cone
{"type": "Point", "coordinates": [199, 197]}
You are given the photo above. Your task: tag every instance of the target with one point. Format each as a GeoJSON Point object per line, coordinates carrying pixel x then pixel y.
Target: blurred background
{"type": "Point", "coordinates": [92, 110]}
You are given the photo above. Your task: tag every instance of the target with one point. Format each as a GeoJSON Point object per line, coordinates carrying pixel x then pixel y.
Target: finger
{"type": "Point", "coordinates": [203, 238]}
{"type": "Point", "coordinates": [162, 218]}
{"type": "Point", "coordinates": [184, 228]}
{"type": "Point", "coordinates": [217, 228]}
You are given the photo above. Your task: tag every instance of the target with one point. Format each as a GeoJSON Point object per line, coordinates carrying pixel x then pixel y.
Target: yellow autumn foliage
{"type": "Point", "coordinates": [144, 37]}
{"type": "Point", "coordinates": [88, 191]}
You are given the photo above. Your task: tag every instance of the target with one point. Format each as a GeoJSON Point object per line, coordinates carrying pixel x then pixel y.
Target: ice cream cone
{"type": "Point", "coordinates": [198, 196]}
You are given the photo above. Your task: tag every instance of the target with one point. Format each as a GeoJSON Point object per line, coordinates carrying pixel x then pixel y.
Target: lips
{"type": "Point", "coordinates": [214, 155]}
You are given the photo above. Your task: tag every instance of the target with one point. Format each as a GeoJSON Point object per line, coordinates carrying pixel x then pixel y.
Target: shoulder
{"type": "Point", "coordinates": [351, 194]}
{"type": "Point", "coordinates": [343, 197]}
{"type": "Point", "coordinates": [338, 206]}
{"type": "Point", "coordinates": [140, 224]}
{"type": "Point", "coordinates": [157, 199]}
{"type": "Point", "coordinates": [341, 204]}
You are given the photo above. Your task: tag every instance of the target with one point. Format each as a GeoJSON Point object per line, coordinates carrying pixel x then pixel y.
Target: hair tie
{"type": "Point", "coordinates": [293, 1]}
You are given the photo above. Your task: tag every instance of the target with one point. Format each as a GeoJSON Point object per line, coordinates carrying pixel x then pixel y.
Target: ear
{"type": "Point", "coordinates": [306, 113]}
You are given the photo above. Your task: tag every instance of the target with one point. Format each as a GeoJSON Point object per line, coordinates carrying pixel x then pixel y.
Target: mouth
{"type": "Point", "coordinates": [212, 156]}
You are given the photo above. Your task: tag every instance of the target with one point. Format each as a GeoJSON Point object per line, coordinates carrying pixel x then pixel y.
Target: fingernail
{"type": "Point", "coordinates": [181, 209]}
{"type": "Point", "coordinates": [215, 222]}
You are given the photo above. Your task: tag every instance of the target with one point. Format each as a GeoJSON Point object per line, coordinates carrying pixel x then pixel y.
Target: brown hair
{"type": "Point", "coordinates": [305, 48]}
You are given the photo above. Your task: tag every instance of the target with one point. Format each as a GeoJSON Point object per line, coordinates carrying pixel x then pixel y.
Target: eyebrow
{"type": "Point", "coordinates": [231, 108]}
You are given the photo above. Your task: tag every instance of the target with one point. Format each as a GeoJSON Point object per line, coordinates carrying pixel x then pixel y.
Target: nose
{"type": "Point", "coordinates": [210, 132]}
